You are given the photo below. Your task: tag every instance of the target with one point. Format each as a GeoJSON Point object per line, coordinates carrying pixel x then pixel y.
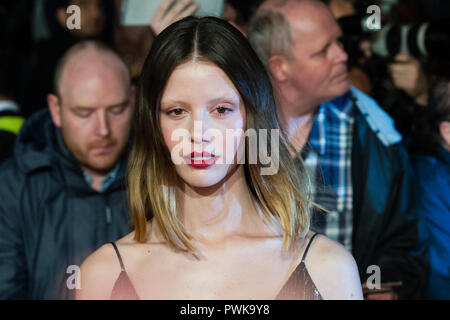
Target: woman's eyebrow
{"type": "Point", "coordinates": [170, 102]}
{"type": "Point", "coordinates": [227, 99]}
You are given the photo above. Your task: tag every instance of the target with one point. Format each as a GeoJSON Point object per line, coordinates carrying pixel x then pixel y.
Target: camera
{"type": "Point", "coordinates": [420, 40]}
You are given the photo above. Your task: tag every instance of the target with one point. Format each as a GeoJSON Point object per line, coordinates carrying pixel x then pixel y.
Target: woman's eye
{"type": "Point", "coordinates": [223, 111]}
{"type": "Point", "coordinates": [175, 112]}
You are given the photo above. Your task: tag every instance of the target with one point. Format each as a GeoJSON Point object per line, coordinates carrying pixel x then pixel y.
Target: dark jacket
{"type": "Point", "coordinates": [7, 139]}
{"type": "Point", "coordinates": [433, 195]}
{"type": "Point", "coordinates": [10, 123]}
{"type": "Point", "coordinates": [385, 224]}
{"type": "Point", "coordinates": [50, 218]}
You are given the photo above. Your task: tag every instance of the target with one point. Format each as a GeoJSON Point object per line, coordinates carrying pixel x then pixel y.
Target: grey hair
{"type": "Point", "coordinates": [270, 34]}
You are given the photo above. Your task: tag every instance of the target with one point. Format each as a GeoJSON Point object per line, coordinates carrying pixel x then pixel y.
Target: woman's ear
{"type": "Point", "coordinates": [55, 109]}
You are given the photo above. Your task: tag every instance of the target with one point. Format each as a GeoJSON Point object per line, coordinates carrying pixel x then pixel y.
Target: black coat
{"type": "Point", "coordinates": [50, 218]}
{"type": "Point", "coordinates": [8, 133]}
{"type": "Point", "coordinates": [7, 140]}
{"type": "Point", "coordinates": [385, 219]}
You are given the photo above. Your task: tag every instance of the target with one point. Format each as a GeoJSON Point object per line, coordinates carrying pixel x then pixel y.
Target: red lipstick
{"type": "Point", "coordinates": [201, 160]}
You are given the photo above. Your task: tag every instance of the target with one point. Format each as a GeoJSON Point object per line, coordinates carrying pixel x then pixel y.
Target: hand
{"type": "Point", "coordinates": [167, 13]}
{"type": "Point", "coordinates": [384, 292]}
{"type": "Point", "coordinates": [407, 74]}
{"type": "Point", "coordinates": [389, 295]}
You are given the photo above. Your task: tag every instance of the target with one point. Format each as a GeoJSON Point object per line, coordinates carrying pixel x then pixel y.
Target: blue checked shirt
{"type": "Point", "coordinates": [327, 157]}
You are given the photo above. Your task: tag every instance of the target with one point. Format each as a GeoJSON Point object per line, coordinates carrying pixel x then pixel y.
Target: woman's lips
{"type": "Point", "coordinates": [201, 160]}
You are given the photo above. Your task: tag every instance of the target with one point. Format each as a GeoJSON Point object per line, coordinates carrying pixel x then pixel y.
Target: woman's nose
{"type": "Point", "coordinates": [199, 132]}
{"type": "Point", "coordinates": [200, 125]}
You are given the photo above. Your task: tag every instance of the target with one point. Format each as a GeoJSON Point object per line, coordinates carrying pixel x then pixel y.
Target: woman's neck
{"type": "Point", "coordinates": [211, 215]}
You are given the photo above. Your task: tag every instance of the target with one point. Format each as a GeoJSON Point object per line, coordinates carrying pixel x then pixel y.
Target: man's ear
{"type": "Point", "coordinates": [278, 67]}
{"type": "Point", "coordinates": [444, 128]}
{"type": "Point", "coordinates": [55, 109]}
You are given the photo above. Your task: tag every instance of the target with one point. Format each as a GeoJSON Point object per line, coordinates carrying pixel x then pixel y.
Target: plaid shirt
{"type": "Point", "coordinates": [327, 157]}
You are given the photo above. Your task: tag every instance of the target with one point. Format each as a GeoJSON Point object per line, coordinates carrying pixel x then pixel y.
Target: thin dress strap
{"type": "Point", "coordinates": [307, 247]}
{"type": "Point", "coordinates": [118, 256]}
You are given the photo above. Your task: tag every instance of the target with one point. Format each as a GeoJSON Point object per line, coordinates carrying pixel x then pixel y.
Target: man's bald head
{"type": "Point", "coordinates": [88, 60]}
{"type": "Point", "coordinates": [93, 106]}
{"type": "Point", "coordinates": [285, 6]}
{"type": "Point", "coordinates": [270, 31]}
{"type": "Point", "coordinates": [297, 11]}
{"type": "Point", "coordinates": [299, 42]}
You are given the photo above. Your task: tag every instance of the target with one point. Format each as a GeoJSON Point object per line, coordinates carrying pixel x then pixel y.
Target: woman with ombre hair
{"type": "Point", "coordinates": [206, 227]}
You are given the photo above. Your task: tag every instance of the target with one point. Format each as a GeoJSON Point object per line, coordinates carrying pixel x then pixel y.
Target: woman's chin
{"type": "Point", "coordinates": [207, 180]}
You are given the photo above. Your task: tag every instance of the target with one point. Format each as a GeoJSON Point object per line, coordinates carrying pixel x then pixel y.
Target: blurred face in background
{"type": "Point", "coordinates": [318, 68]}
{"type": "Point", "coordinates": [342, 8]}
{"type": "Point", "coordinates": [442, 91]}
{"type": "Point", "coordinates": [132, 43]}
{"type": "Point", "coordinates": [444, 128]}
{"type": "Point", "coordinates": [231, 15]}
{"type": "Point", "coordinates": [94, 109]}
{"type": "Point", "coordinates": [92, 17]}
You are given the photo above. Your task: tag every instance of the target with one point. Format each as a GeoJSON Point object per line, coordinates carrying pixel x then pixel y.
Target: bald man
{"type": "Point", "coordinates": [350, 146]}
{"type": "Point", "coordinates": [62, 193]}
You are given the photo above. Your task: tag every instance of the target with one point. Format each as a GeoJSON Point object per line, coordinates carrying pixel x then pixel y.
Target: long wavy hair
{"type": "Point", "coordinates": [151, 176]}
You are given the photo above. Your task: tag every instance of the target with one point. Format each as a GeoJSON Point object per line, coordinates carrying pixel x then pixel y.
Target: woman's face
{"type": "Point", "coordinates": [202, 120]}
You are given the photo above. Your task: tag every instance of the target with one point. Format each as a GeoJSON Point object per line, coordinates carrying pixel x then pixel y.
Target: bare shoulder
{"type": "Point", "coordinates": [98, 274]}
{"type": "Point", "coordinates": [333, 270]}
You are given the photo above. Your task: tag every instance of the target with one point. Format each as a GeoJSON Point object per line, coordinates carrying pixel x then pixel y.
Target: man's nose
{"type": "Point", "coordinates": [340, 54]}
{"type": "Point", "coordinates": [103, 126]}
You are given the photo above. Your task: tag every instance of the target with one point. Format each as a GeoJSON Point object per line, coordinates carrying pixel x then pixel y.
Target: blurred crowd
{"type": "Point", "coordinates": [34, 36]}
{"type": "Point", "coordinates": [404, 67]}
